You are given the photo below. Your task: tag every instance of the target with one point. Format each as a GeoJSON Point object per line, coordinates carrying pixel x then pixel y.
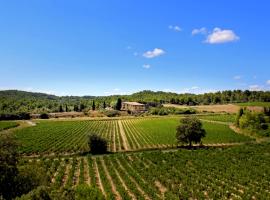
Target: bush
{"type": "Point", "coordinates": [97, 144]}
{"type": "Point", "coordinates": [84, 192]}
{"type": "Point", "coordinates": [44, 116]}
{"type": "Point", "coordinates": [15, 116]}
{"type": "Point", "coordinates": [112, 113]}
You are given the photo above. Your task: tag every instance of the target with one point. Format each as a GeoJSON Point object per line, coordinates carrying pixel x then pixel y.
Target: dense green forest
{"type": "Point", "coordinates": [14, 101]}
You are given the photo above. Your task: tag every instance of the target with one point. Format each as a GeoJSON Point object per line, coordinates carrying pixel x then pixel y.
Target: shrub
{"type": "Point", "coordinates": [97, 144]}
{"type": "Point", "coordinates": [112, 113]}
{"type": "Point", "coordinates": [44, 116]}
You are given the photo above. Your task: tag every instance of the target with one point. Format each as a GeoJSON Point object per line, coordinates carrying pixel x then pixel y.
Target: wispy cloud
{"type": "Point", "coordinates": [237, 77]}
{"type": "Point", "coordinates": [146, 66]}
{"type": "Point", "coordinates": [268, 82]}
{"type": "Point", "coordinates": [218, 36]}
{"type": "Point", "coordinates": [154, 53]}
{"type": "Point", "coordinates": [255, 88]}
{"type": "Point", "coordinates": [196, 31]}
{"type": "Point", "coordinates": [175, 28]}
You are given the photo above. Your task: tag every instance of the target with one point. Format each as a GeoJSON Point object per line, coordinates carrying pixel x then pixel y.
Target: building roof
{"type": "Point", "coordinates": [133, 103]}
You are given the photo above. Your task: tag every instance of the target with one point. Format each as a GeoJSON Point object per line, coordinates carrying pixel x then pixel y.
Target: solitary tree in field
{"type": "Point", "coordinates": [97, 144]}
{"type": "Point", "coordinates": [118, 104]}
{"type": "Point", "coordinates": [190, 130]}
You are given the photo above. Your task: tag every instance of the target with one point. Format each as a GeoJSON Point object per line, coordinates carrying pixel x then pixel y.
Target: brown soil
{"type": "Point", "coordinates": [123, 135]}
{"type": "Point", "coordinates": [98, 179]}
{"type": "Point", "coordinates": [115, 192]}
{"type": "Point", "coordinates": [87, 179]}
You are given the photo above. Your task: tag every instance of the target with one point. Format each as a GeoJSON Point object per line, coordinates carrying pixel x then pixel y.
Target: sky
{"type": "Point", "coordinates": [105, 47]}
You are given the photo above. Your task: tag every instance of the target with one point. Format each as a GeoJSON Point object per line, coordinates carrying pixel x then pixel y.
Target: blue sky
{"type": "Point", "coordinates": [122, 46]}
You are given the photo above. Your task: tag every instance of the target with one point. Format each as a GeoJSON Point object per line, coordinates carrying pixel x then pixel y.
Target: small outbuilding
{"type": "Point", "coordinates": [133, 106]}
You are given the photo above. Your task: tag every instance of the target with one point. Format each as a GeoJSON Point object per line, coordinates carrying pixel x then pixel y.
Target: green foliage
{"type": "Point", "coordinates": [118, 104]}
{"type": "Point", "coordinates": [190, 130]}
{"type": "Point", "coordinates": [111, 113]}
{"type": "Point", "coordinates": [15, 116]}
{"type": "Point", "coordinates": [97, 144]}
{"type": "Point", "coordinates": [8, 166]}
{"type": "Point", "coordinates": [84, 192]}
{"type": "Point", "coordinates": [15, 180]}
{"type": "Point", "coordinates": [12, 101]}
{"type": "Point", "coordinates": [7, 124]}
{"type": "Point", "coordinates": [40, 193]}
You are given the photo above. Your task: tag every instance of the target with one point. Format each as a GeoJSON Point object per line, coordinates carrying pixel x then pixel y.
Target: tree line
{"type": "Point", "coordinates": [13, 101]}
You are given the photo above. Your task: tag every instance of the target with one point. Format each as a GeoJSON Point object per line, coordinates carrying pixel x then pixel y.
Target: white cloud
{"type": "Point", "coordinates": [268, 82]}
{"type": "Point", "coordinates": [155, 53]}
{"type": "Point", "coordinates": [196, 31]}
{"type": "Point", "coordinates": [196, 90]}
{"type": "Point", "coordinates": [219, 36]}
{"type": "Point", "coordinates": [194, 87]}
{"type": "Point", "coordinates": [146, 66]}
{"type": "Point", "coordinates": [255, 88]}
{"type": "Point", "coordinates": [237, 77]}
{"type": "Point", "coordinates": [175, 28]}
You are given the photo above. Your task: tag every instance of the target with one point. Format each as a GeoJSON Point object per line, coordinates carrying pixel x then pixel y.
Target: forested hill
{"type": "Point", "coordinates": [20, 101]}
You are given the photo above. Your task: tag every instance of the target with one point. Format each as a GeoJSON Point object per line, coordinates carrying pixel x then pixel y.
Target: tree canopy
{"type": "Point", "coordinates": [190, 130]}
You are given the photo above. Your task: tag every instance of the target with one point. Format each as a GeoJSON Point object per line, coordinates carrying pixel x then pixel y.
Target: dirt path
{"type": "Point", "coordinates": [76, 178]}
{"type": "Point", "coordinates": [161, 188]}
{"type": "Point", "coordinates": [123, 135]}
{"type": "Point", "coordinates": [66, 174]}
{"type": "Point", "coordinates": [216, 122]}
{"type": "Point", "coordinates": [115, 192]}
{"type": "Point", "coordinates": [86, 175]}
{"type": "Point", "coordinates": [98, 179]}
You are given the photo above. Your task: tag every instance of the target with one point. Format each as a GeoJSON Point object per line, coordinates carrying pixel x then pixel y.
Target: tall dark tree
{"type": "Point", "coordinates": [61, 108]}
{"type": "Point", "coordinates": [190, 130]}
{"type": "Point", "coordinates": [93, 105]}
{"type": "Point", "coordinates": [118, 104]}
{"type": "Point", "coordinates": [104, 104]}
{"type": "Point", "coordinates": [66, 108]}
{"type": "Point", "coordinates": [76, 109]}
{"type": "Point", "coordinates": [82, 106]}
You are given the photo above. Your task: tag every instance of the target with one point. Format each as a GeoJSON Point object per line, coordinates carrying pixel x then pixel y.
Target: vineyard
{"type": "Point", "coordinates": [240, 172]}
{"type": "Point", "coordinates": [7, 124]}
{"type": "Point", "coordinates": [123, 135]}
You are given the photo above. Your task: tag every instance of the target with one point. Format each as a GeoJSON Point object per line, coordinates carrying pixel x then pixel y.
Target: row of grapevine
{"type": "Point", "coordinates": [237, 173]}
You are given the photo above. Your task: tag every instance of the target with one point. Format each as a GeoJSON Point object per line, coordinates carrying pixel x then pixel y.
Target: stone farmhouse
{"type": "Point", "coordinates": [133, 106]}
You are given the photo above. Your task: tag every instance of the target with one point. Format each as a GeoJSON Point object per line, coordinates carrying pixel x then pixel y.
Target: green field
{"type": "Point", "coordinates": [240, 172]}
{"type": "Point", "coordinates": [219, 118]}
{"type": "Point", "coordinates": [125, 134]}
{"type": "Point", "coordinates": [263, 104]}
{"type": "Point", "coordinates": [7, 124]}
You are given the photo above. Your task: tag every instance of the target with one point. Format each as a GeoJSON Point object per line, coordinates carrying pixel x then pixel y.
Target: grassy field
{"type": "Point", "coordinates": [125, 134]}
{"type": "Point", "coordinates": [263, 104]}
{"type": "Point", "coordinates": [220, 118]}
{"type": "Point", "coordinates": [239, 172]}
{"type": "Point", "coordinates": [7, 124]}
